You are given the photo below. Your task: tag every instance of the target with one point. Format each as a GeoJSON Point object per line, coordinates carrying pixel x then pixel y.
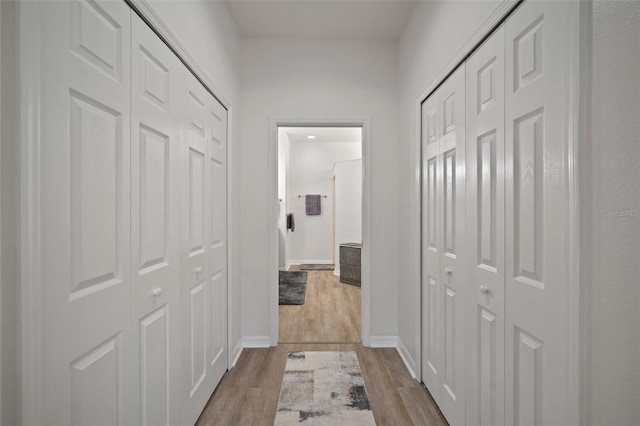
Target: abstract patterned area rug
{"type": "Point", "coordinates": [317, 267]}
{"type": "Point", "coordinates": [292, 287]}
{"type": "Point", "coordinates": [323, 388]}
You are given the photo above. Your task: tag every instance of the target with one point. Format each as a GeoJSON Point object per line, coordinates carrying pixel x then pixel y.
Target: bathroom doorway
{"type": "Point", "coordinates": [320, 192]}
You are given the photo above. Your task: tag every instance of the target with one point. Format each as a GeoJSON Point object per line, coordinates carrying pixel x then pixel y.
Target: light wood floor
{"type": "Point", "coordinates": [330, 314]}
{"type": "Point", "coordinates": [248, 394]}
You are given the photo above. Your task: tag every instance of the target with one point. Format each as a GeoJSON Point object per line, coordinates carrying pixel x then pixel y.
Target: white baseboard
{"type": "Point", "coordinates": [383, 341]}
{"type": "Point", "coordinates": [408, 360]}
{"type": "Point", "coordinates": [256, 342]}
{"type": "Point", "coordinates": [312, 262]}
{"type": "Point", "coordinates": [237, 351]}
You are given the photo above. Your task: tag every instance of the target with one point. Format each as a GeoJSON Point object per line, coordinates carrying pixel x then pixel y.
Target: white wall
{"type": "Point", "coordinates": [283, 175]}
{"type": "Point", "coordinates": [306, 79]}
{"type": "Point", "coordinates": [434, 34]}
{"type": "Point", "coordinates": [208, 32]}
{"type": "Point", "coordinates": [310, 173]}
{"type": "Point", "coordinates": [612, 217]}
{"type": "Point", "coordinates": [348, 199]}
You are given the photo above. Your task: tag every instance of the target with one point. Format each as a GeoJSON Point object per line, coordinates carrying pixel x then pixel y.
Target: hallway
{"type": "Point", "coordinates": [143, 209]}
{"type": "Point", "coordinates": [248, 394]}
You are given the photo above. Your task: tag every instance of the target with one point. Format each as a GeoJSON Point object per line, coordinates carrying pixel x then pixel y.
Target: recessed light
{"type": "Point", "coordinates": [311, 137]}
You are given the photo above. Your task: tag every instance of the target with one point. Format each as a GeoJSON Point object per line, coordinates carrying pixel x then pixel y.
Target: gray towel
{"type": "Point", "coordinates": [313, 204]}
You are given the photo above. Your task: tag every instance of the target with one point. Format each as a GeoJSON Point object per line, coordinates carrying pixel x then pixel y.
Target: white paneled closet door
{"type": "Point", "coordinates": [86, 364]}
{"type": "Point", "coordinates": [537, 294]}
{"type": "Point", "coordinates": [485, 232]}
{"type": "Point", "coordinates": [431, 246]}
{"type": "Point", "coordinates": [217, 257]}
{"type": "Point", "coordinates": [204, 286]}
{"type": "Point", "coordinates": [155, 225]}
{"type": "Point", "coordinates": [443, 246]}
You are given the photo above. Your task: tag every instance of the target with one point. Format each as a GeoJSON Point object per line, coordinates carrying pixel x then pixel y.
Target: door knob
{"type": "Point", "coordinates": [156, 292]}
{"type": "Point", "coordinates": [484, 290]}
{"type": "Point", "coordinates": [198, 269]}
{"type": "Point", "coordinates": [448, 271]}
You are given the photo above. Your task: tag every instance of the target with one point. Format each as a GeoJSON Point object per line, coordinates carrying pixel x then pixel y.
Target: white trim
{"type": "Point", "coordinates": [311, 262]}
{"type": "Point", "coordinates": [384, 341]}
{"type": "Point", "coordinates": [230, 220]}
{"type": "Point", "coordinates": [499, 14]}
{"type": "Point", "coordinates": [31, 307]}
{"type": "Point", "coordinates": [2, 290]}
{"type": "Point", "coordinates": [408, 360]}
{"type": "Point", "coordinates": [256, 341]}
{"type": "Point", "coordinates": [580, 281]}
{"type": "Point", "coordinates": [235, 354]}
{"type": "Point", "coordinates": [146, 12]}
{"type": "Point", "coordinates": [577, 110]}
{"type": "Point", "coordinates": [272, 193]}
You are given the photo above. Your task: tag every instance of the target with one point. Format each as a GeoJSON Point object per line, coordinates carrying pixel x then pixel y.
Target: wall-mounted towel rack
{"type": "Point", "coordinates": [300, 196]}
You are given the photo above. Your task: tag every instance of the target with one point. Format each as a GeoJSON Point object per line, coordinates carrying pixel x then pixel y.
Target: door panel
{"type": "Point", "coordinates": [431, 321]}
{"type": "Point", "coordinates": [204, 315]}
{"type": "Point", "coordinates": [536, 289]}
{"type": "Point", "coordinates": [443, 232]}
{"type": "Point", "coordinates": [155, 224]}
{"type": "Point", "coordinates": [217, 256]}
{"type": "Point", "coordinates": [485, 232]}
{"type": "Point", "coordinates": [452, 240]}
{"type": "Point", "coordinates": [197, 381]}
{"type": "Point", "coordinates": [84, 213]}
{"type": "Point", "coordinates": [157, 397]}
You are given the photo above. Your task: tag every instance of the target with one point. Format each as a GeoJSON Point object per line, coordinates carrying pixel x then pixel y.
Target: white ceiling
{"type": "Point", "coordinates": [321, 19]}
{"type": "Point", "coordinates": [323, 134]}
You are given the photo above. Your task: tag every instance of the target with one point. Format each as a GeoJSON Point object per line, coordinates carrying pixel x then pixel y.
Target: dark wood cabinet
{"type": "Point", "coordinates": [350, 255]}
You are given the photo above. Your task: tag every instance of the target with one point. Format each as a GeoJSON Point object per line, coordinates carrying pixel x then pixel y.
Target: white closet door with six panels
{"type": "Point", "coordinates": [485, 232]}
{"type": "Point", "coordinates": [155, 225]}
{"type": "Point", "coordinates": [203, 235]}
{"type": "Point", "coordinates": [217, 238]}
{"type": "Point", "coordinates": [443, 246]}
{"type": "Point", "coordinates": [537, 293]}
{"type": "Point", "coordinates": [84, 211]}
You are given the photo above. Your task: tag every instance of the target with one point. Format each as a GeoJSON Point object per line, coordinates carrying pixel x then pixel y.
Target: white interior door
{"type": "Point", "coordinates": [452, 251]}
{"type": "Point", "coordinates": [485, 232]}
{"type": "Point", "coordinates": [155, 225]}
{"type": "Point", "coordinates": [195, 380]}
{"type": "Point", "coordinates": [537, 327]}
{"type": "Point", "coordinates": [431, 246]}
{"type": "Point", "coordinates": [217, 256]}
{"type": "Point", "coordinates": [84, 213]}
{"type": "Point", "coordinates": [443, 246]}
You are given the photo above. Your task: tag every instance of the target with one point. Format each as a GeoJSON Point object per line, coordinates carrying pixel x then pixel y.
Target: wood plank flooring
{"type": "Point", "coordinates": [330, 314]}
{"type": "Point", "coordinates": [248, 394]}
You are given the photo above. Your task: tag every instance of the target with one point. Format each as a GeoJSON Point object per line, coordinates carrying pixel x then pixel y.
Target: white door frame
{"type": "Point", "coordinates": [576, 114]}
{"type": "Point", "coordinates": [365, 295]}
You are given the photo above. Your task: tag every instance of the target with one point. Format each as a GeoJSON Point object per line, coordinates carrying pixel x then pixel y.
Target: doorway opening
{"type": "Point", "coordinates": [320, 234]}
